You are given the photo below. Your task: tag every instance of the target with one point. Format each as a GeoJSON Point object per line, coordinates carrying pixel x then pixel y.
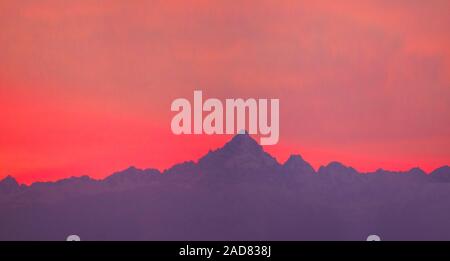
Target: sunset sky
{"type": "Point", "coordinates": [86, 86]}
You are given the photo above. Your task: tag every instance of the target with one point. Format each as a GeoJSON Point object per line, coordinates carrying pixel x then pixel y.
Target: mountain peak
{"type": "Point", "coordinates": [9, 181]}
{"type": "Point", "coordinates": [242, 151]}
{"type": "Point", "coordinates": [243, 140]}
{"type": "Point", "coordinates": [8, 184]}
{"type": "Point", "coordinates": [416, 171]}
{"type": "Point", "coordinates": [132, 175]}
{"type": "Point", "coordinates": [442, 169]}
{"type": "Point", "coordinates": [294, 158]}
{"type": "Point", "coordinates": [441, 174]}
{"type": "Point", "coordinates": [296, 163]}
{"type": "Point", "coordinates": [84, 179]}
{"type": "Point", "coordinates": [336, 167]}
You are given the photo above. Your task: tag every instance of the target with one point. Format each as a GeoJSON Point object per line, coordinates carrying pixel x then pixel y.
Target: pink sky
{"type": "Point", "coordinates": [86, 86]}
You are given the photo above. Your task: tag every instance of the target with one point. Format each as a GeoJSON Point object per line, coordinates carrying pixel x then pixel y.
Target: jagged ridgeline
{"type": "Point", "coordinates": [237, 192]}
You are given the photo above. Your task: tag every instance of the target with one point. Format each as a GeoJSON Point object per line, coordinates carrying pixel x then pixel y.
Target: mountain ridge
{"type": "Point", "coordinates": [237, 192]}
{"type": "Point", "coordinates": [242, 152]}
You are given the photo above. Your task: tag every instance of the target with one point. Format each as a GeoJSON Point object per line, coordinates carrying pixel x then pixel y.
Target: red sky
{"type": "Point", "coordinates": [86, 86]}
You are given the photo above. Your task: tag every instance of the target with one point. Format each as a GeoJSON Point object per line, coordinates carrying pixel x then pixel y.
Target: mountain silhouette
{"type": "Point", "coordinates": [8, 185]}
{"type": "Point", "coordinates": [441, 174]}
{"type": "Point", "coordinates": [237, 192]}
{"type": "Point", "coordinates": [132, 176]}
{"type": "Point", "coordinates": [296, 164]}
{"type": "Point", "coordinates": [241, 153]}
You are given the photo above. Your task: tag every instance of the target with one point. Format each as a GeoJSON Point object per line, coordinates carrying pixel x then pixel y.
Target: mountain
{"type": "Point", "coordinates": [9, 185]}
{"type": "Point", "coordinates": [296, 164]}
{"type": "Point", "coordinates": [242, 153]}
{"type": "Point", "coordinates": [237, 192]}
{"type": "Point", "coordinates": [297, 173]}
{"type": "Point", "coordinates": [336, 168]}
{"type": "Point", "coordinates": [441, 174]}
{"type": "Point", "coordinates": [132, 176]}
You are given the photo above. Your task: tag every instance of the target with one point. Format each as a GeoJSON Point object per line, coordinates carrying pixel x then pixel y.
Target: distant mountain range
{"type": "Point", "coordinates": [237, 192]}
